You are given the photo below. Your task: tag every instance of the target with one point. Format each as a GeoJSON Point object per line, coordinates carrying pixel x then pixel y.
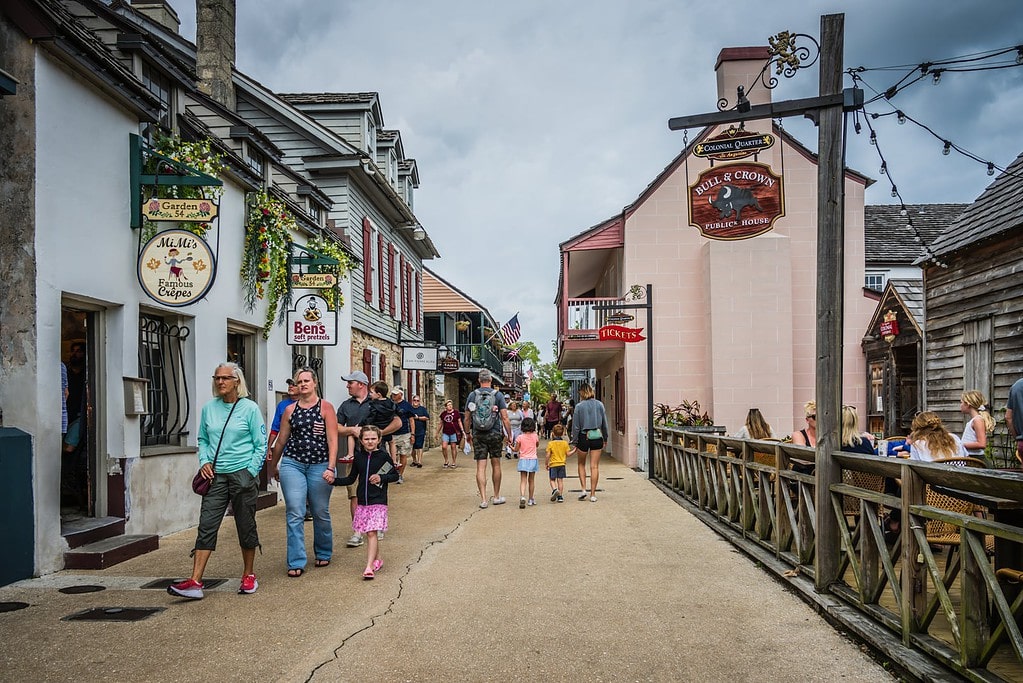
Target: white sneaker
{"type": "Point", "coordinates": [532, 502]}
{"type": "Point", "coordinates": [355, 541]}
{"type": "Point", "coordinates": [483, 505]}
{"type": "Point", "coordinates": [499, 500]}
{"type": "Point", "coordinates": [380, 535]}
{"type": "Point", "coordinates": [593, 499]}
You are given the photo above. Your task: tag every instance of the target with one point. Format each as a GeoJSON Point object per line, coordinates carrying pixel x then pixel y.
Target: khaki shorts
{"type": "Point", "coordinates": [403, 444]}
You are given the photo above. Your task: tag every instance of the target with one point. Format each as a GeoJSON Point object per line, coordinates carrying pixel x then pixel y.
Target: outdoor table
{"type": "Point", "coordinates": [1008, 554]}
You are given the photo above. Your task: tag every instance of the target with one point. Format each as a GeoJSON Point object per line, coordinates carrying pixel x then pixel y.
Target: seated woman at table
{"type": "Point", "coordinates": [930, 441]}
{"type": "Point", "coordinates": [756, 427]}
{"type": "Point", "coordinates": [978, 426]}
{"type": "Point", "coordinates": [853, 440]}
{"type": "Point", "coordinates": [808, 435]}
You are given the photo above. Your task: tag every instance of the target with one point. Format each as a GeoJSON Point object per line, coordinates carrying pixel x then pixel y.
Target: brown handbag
{"type": "Point", "coordinates": [200, 484]}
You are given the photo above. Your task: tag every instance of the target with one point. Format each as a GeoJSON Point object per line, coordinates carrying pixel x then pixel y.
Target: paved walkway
{"type": "Point", "coordinates": [631, 587]}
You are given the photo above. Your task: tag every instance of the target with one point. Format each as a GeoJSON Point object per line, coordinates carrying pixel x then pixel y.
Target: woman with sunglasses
{"type": "Point", "coordinates": [808, 435]}
{"type": "Point", "coordinates": [232, 433]}
{"type": "Point", "coordinates": [420, 417]}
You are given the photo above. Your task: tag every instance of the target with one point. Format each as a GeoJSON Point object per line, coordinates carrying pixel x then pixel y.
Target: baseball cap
{"type": "Point", "coordinates": [356, 376]}
{"type": "Point", "coordinates": [289, 382]}
{"type": "Point", "coordinates": [397, 390]}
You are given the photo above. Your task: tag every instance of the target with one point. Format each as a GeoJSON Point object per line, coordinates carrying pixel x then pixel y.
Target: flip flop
{"type": "Point", "coordinates": [378, 565]}
{"type": "Point", "coordinates": [368, 574]}
{"type": "Point", "coordinates": [322, 563]}
{"type": "Point", "coordinates": [295, 573]}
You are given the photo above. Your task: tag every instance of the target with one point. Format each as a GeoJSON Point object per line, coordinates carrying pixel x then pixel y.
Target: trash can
{"type": "Point", "coordinates": [17, 534]}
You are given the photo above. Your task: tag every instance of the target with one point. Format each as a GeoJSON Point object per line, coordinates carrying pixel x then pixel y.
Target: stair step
{"type": "Point", "coordinates": [90, 529]}
{"type": "Point", "coordinates": [110, 551]}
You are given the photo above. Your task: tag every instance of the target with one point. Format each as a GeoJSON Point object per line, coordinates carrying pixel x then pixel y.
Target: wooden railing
{"type": "Point", "coordinates": [964, 615]}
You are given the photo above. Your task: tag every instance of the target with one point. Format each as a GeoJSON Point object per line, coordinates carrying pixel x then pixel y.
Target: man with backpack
{"type": "Point", "coordinates": [488, 429]}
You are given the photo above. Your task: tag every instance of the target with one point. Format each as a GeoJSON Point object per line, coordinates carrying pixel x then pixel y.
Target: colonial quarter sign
{"type": "Point", "coordinates": [736, 201]}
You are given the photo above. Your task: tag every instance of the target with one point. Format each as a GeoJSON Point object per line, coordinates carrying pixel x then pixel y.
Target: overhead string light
{"type": "Point", "coordinates": [946, 145]}
{"type": "Point", "coordinates": [903, 211]}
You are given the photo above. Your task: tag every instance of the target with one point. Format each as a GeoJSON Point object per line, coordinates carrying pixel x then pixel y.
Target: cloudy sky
{"type": "Point", "coordinates": [534, 120]}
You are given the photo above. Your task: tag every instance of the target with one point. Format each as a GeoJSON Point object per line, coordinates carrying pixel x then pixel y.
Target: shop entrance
{"type": "Point", "coordinates": [78, 466]}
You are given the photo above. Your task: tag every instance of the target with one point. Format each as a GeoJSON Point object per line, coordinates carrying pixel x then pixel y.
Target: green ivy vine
{"type": "Point", "coordinates": [264, 270]}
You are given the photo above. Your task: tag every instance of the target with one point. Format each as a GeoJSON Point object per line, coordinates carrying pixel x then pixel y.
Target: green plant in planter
{"type": "Point", "coordinates": [686, 414]}
{"type": "Point", "coordinates": [200, 156]}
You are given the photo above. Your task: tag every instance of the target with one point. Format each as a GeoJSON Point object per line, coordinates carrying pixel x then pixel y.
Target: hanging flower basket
{"type": "Point", "coordinates": [200, 156]}
{"type": "Point", "coordinates": [264, 269]}
{"type": "Point", "coordinates": [462, 325]}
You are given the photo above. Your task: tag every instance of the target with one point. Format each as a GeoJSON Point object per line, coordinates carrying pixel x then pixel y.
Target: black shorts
{"type": "Point", "coordinates": [584, 444]}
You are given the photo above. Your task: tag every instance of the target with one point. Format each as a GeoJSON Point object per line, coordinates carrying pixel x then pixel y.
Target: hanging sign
{"type": "Point", "coordinates": [734, 144]}
{"type": "Point", "coordinates": [419, 358]}
{"type": "Point", "coordinates": [890, 326]}
{"type": "Point", "coordinates": [313, 280]}
{"type": "Point", "coordinates": [620, 318]}
{"type": "Point", "coordinates": [448, 364]}
{"type": "Point", "coordinates": [619, 333]}
{"type": "Point", "coordinates": [170, 209]}
{"type": "Point", "coordinates": [736, 201]}
{"type": "Point", "coordinates": [176, 268]}
{"type": "Point", "coordinates": [312, 322]}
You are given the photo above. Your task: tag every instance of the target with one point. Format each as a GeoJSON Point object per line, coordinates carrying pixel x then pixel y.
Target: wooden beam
{"type": "Point", "coordinates": [830, 275]}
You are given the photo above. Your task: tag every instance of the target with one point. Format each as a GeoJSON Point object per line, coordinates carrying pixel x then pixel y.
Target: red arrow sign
{"type": "Point", "coordinates": [619, 333]}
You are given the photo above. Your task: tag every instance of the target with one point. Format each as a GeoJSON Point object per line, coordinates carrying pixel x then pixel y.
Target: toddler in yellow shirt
{"type": "Point", "coordinates": [557, 453]}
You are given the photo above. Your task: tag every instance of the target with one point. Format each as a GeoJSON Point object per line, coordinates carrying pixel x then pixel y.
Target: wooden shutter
{"type": "Point", "coordinates": [367, 260]}
{"type": "Point", "coordinates": [408, 294]}
{"type": "Point", "coordinates": [367, 362]}
{"type": "Point", "coordinates": [380, 269]}
{"type": "Point", "coordinates": [401, 284]}
{"type": "Point", "coordinates": [419, 301]}
{"type": "Point", "coordinates": [391, 279]}
{"type": "Point", "coordinates": [383, 367]}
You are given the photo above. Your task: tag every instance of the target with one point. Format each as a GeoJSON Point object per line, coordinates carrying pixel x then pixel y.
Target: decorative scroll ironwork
{"type": "Point", "coordinates": [787, 58]}
{"type": "Point", "coordinates": [161, 361]}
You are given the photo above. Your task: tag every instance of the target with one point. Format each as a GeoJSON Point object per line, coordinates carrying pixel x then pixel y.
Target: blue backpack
{"type": "Point", "coordinates": [484, 417]}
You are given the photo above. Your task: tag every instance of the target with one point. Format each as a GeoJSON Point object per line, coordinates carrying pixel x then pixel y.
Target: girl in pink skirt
{"type": "Point", "coordinates": [374, 469]}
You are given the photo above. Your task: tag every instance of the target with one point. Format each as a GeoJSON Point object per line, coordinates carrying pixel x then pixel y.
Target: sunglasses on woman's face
{"type": "Point", "coordinates": [811, 417]}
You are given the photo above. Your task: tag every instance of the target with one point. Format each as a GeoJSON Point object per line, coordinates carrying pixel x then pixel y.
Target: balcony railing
{"type": "Point", "coordinates": [581, 314]}
{"type": "Point", "coordinates": [477, 356]}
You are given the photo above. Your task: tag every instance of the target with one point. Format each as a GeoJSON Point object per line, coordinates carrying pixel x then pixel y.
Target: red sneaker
{"type": "Point", "coordinates": [249, 584]}
{"type": "Point", "coordinates": [186, 589]}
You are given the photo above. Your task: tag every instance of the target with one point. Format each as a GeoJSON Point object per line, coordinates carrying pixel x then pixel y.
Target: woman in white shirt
{"type": "Point", "coordinates": [978, 426]}
{"type": "Point", "coordinates": [930, 441]}
{"type": "Point", "coordinates": [756, 427]}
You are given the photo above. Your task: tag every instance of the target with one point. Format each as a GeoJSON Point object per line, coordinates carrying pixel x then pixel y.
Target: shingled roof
{"type": "Point", "coordinates": [889, 237]}
{"type": "Point", "coordinates": [999, 208]}
{"type": "Point", "coordinates": [329, 97]}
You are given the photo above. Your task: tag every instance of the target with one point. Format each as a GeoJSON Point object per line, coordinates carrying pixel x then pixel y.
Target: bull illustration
{"type": "Point", "coordinates": [732, 199]}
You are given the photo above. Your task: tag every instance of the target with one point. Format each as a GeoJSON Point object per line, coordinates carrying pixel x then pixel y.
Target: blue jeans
{"type": "Point", "coordinates": [300, 482]}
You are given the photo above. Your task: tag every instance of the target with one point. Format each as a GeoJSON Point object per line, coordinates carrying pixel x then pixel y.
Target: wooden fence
{"type": "Point", "coordinates": [962, 614]}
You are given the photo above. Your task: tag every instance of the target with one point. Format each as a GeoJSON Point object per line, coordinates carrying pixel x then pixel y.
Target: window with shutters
{"type": "Point", "coordinates": [373, 363]}
{"type": "Point", "coordinates": [380, 270]}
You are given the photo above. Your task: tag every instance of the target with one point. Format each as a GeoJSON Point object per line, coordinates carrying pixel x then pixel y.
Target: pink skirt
{"type": "Point", "coordinates": [369, 518]}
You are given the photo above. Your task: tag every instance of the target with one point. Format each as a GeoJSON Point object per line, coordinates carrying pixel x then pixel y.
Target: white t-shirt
{"type": "Point", "coordinates": [919, 450]}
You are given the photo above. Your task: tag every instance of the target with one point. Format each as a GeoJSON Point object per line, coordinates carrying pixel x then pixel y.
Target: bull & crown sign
{"type": "Point", "coordinates": [736, 201]}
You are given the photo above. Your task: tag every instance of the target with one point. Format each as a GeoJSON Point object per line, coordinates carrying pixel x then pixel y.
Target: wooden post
{"type": "Point", "coordinates": [830, 274]}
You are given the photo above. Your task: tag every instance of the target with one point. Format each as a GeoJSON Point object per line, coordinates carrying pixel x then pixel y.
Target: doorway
{"type": "Point", "coordinates": [79, 471]}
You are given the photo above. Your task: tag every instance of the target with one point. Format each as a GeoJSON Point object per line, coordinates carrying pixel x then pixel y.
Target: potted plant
{"type": "Point", "coordinates": [462, 325]}
{"type": "Point", "coordinates": [688, 416]}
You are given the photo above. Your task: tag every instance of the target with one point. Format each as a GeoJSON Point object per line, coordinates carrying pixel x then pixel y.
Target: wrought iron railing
{"type": "Point", "coordinates": [161, 361]}
{"type": "Point", "coordinates": [477, 356]}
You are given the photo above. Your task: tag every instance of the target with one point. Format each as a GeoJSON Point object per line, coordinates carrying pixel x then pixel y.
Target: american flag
{"type": "Point", "coordinates": [513, 353]}
{"type": "Point", "coordinates": [511, 330]}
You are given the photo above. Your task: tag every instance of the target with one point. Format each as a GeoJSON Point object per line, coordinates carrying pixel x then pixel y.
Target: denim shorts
{"type": "Point", "coordinates": [449, 438]}
{"type": "Point", "coordinates": [528, 465]}
{"type": "Point", "coordinates": [557, 472]}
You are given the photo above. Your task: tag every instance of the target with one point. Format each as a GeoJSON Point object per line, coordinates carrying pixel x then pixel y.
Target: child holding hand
{"type": "Point", "coordinates": [374, 469]}
{"type": "Point", "coordinates": [525, 449]}
{"type": "Point", "coordinates": [557, 454]}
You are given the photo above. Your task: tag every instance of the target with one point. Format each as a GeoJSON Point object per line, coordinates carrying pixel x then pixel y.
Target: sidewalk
{"type": "Point", "coordinates": [628, 588]}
